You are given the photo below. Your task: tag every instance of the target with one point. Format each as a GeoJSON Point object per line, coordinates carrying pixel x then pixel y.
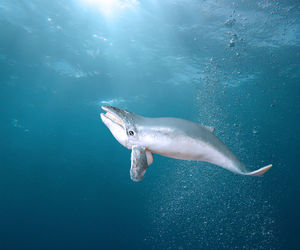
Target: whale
{"type": "Point", "coordinates": [170, 137]}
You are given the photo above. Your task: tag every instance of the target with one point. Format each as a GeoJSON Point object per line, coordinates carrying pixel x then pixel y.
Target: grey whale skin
{"type": "Point", "coordinates": [170, 137]}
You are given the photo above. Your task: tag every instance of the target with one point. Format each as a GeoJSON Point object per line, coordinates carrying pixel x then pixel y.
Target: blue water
{"type": "Point", "coordinates": [64, 179]}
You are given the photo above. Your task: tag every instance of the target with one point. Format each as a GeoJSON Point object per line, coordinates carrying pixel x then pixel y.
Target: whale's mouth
{"type": "Point", "coordinates": [111, 115]}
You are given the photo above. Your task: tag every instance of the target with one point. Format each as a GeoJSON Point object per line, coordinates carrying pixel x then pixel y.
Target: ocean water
{"type": "Point", "coordinates": [64, 179]}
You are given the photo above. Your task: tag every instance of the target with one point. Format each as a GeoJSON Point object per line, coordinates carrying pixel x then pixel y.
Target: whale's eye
{"type": "Point", "coordinates": [131, 132]}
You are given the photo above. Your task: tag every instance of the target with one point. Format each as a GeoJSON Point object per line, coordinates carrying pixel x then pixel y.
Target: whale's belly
{"type": "Point", "coordinates": [189, 148]}
{"type": "Point", "coordinates": [186, 148]}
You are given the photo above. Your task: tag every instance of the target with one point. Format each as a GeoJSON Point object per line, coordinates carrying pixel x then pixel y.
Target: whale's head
{"type": "Point", "coordinates": [122, 124]}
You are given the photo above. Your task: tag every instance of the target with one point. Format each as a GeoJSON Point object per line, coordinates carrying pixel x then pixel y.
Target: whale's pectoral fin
{"type": "Point", "coordinates": [139, 163]}
{"type": "Point", "coordinates": [149, 157]}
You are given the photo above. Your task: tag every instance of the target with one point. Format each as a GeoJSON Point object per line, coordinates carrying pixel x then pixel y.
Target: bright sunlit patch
{"type": "Point", "coordinates": [110, 7]}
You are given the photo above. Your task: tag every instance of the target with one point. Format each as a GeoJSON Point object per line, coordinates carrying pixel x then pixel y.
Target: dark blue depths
{"type": "Point", "coordinates": [64, 180]}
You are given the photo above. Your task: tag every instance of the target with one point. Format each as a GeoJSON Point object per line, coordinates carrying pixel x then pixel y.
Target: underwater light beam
{"type": "Point", "coordinates": [110, 7]}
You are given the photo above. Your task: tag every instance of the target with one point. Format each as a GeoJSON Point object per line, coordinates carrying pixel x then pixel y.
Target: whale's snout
{"type": "Point", "coordinates": [111, 115]}
{"type": "Point", "coordinates": [115, 124]}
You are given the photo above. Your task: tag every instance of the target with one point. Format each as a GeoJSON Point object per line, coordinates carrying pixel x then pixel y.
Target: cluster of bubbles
{"type": "Point", "coordinates": [204, 206]}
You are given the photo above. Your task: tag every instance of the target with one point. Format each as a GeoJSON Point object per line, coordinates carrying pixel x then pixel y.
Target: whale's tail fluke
{"type": "Point", "coordinates": [259, 172]}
